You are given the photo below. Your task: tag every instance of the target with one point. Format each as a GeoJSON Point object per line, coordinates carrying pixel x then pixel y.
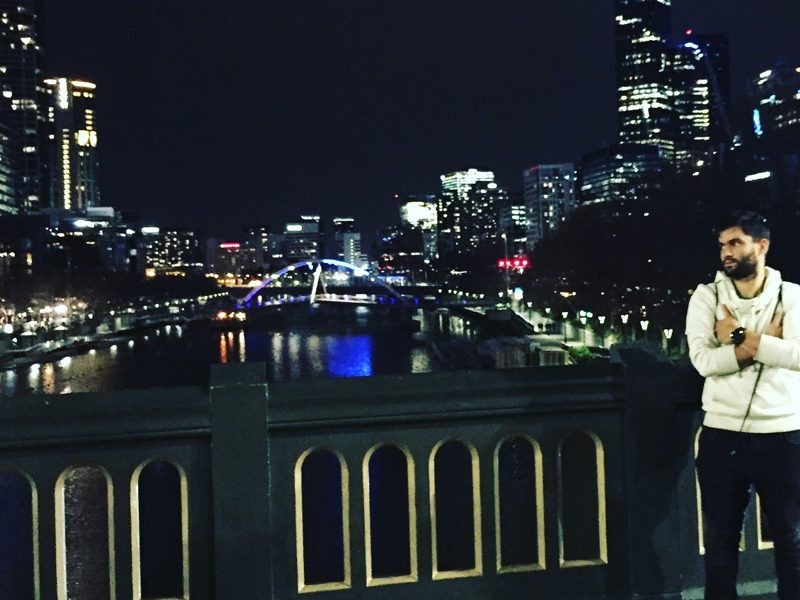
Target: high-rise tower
{"type": "Point", "coordinates": [20, 85]}
{"type": "Point", "coordinates": [467, 210]}
{"type": "Point", "coordinates": [72, 143]}
{"type": "Point", "coordinates": [548, 192]}
{"type": "Point", "coordinates": [644, 79]}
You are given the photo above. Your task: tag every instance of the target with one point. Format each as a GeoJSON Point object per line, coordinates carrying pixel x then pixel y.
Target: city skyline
{"type": "Point", "coordinates": [269, 112]}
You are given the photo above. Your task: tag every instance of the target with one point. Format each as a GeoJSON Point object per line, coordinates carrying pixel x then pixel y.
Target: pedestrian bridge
{"type": "Point", "coordinates": [309, 281]}
{"type": "Point", "coordinates": [552, 482]}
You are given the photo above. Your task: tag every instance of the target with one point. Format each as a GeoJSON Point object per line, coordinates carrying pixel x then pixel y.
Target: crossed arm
{"type": "Point", "coordinates": [712, 352]}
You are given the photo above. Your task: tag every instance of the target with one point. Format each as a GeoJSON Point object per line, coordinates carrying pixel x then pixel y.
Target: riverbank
{"type": "Point", "coordinates": [52, 350]}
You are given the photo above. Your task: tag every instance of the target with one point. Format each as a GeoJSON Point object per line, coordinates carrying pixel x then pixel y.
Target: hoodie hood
{"type": "Point", "coordinates": [728, 295]}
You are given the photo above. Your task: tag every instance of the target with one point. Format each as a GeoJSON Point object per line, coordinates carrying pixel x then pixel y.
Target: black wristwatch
{"type": "Point", "coordinates": [737, 336]}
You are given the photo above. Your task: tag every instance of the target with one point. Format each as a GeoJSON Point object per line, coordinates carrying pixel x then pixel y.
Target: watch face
{"type": "Point", "coordinates": [737, 336]}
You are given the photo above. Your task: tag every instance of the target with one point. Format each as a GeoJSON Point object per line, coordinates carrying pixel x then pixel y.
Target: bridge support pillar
{"type": "Point", "coordinates": [240, 475]}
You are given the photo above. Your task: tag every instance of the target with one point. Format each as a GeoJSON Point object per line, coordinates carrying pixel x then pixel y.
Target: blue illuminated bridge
{"type": "Point", "coordinates": [325, 280]}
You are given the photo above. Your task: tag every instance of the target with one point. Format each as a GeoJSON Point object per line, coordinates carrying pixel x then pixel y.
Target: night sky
{"type": "Point", "coordinates": [220, 114]}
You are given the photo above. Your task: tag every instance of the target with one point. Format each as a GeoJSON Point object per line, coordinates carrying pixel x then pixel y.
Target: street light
{"type": "Point", "coordinates": [667, 337]}
{"type": "Point", "coordinates": [602, 320]}
{"type": "Point", "coordinates": [505, 252]}
{"type": "Point", "coordinates": [624, 318]}
{"type": "Point", "coordinates": [565, 314]}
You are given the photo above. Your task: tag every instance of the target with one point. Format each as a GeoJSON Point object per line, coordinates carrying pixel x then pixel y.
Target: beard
{"type": "Point", "coordinates": [742, 269]}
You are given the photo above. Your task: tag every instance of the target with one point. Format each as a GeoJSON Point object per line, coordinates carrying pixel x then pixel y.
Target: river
{"type": "Point", "coordinates": [173, 355]}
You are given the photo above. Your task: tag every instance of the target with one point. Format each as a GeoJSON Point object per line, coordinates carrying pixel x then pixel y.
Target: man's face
{"type": "Point", "coordinates": [740, 254]}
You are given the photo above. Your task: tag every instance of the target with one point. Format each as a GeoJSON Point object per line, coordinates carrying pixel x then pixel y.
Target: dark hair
{"type": "Point", "coordinates": [752, 223]}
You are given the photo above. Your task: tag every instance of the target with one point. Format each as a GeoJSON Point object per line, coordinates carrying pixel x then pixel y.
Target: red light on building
{"type": "Point", "coordinates": [230, 245]}
{"type": "Point", "coordinates": [688, 32]}
{"type": "Point", "coordinates": [518, 262]}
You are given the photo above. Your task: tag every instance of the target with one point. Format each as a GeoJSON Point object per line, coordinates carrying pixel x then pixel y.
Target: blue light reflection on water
{"type": "Point", "coordinates": [349, 356]}
{"type": "Point", "coordinates": [178, 360]}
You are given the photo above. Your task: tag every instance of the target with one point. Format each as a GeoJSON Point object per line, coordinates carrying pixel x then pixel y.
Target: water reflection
{"type": "Point", "coordinates": [223, 349]}
{"type": "Point", "coordinates": [33, 375]}
{"type": "Point", "coordinates": [293, 348]}
{"type": "Point", "coordinates": [183, 358]}
{"type": "Point", "coordinates": [277, 356]}
{"type": "Point", "coordinates": [48, 380]}
{"type": "Point", "coordinates": [350, 356]}
{"type": "Point", "coordinates": [242, 347]}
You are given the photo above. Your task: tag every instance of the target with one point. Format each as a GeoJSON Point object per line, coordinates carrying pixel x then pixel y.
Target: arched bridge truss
{"type": "Point", "coordinates": [319, 291]}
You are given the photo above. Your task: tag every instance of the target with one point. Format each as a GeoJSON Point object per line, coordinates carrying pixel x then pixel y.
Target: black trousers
{"type": "Point", "coordinates": [728, 464]}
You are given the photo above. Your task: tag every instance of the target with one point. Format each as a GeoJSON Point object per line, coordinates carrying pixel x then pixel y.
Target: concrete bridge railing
{"type": "Point", "coordinates": [552, 482]}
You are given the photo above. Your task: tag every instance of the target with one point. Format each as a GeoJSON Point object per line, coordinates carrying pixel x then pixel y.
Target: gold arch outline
{"type": "Point", "coordinates": [539, 493]}
{"type": "Point", "coordinates": [37, 592]}
{"type": "Point", "coordinates": [413, 576]}
{"type": "Point", "coordinates": [302, 586]}
{"type": "Point", "coordinates": [602, 531]}
{"type": "Point", "coordinates": [477, 571]}
{"type": "Point", "coordinates": [61, 521]}
{"type": "Point", "coordinates": [136, 559]}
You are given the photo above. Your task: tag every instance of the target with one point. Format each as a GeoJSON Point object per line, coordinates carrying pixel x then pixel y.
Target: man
{"type": "Point", "coordinates": [744, 338]}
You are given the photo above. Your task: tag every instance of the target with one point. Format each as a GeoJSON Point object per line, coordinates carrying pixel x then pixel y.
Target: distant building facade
{"type": "Point", "coordinates": [775, 96]}
{"type": "Point", "coordinates": [419, 212]}
{"type": "Point", "coordinates": [171, 251]}
{"type": "Point", "coordinates": [621, 172]}
{"type": "Point", "coordinates": [72, 146]}
{"type": "Point", "coordinates": [467, 211]}
{"type": "Point", "coordinates": [21, 91]}
{"type": "Point", "coordinates": [303, 239]}
{"type": "Point", "coordinates": [645, 88]}
{"type": "Point", "coordinates": [548, 193]}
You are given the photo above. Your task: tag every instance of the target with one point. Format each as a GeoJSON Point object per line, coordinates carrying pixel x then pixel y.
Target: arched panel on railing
{"type": "Point", "coordinates": [765, 540]}
{"type": "Point", "coordinates": [519, 505]}
{"type": "Point", "coordinates": [322, 522]}
{"type": "Point", "coordinates": [390, 516]}
{"type": "Point", "coordinates": [19, 548]}
{"type": "Point", "coordinates": [701, 541]}
{"type": "Point", "coordinates": [582, 501]}
{"type": "Point", "coordinates": [159, 531]}
{"type": "Point", "coordinates": [455, 507]}
{"type": "Point", "coordinates": [84, 498]}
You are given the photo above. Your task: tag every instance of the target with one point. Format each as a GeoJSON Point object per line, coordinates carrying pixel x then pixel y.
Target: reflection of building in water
{"type": "Point", "coordinates": [223, 349]}
{"type": "Point", "coordinates": [48, 378]}
{"type": "Point", "coordinates": [242, 347]}
{"type": "Point", "coordinates": [294, 345]}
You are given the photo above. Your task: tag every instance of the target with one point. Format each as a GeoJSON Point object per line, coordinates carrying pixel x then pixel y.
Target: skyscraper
{"type": "Point", "coordinates": [8, 201]}
{"type": "Point", "coordinates": [692, 107]}
{"type": "Point", "coordinates": [72, 144]}
{"type": "Point", "coordinates": [303, 239]}
{"type": "Point", "coordinates": [622, 172]}
{"type": "Point", "coordinates": [701, 75]}
{"type": "Point", "coordinates": [644, 78]}
{"type": "Point", "coordinates": [548, 192]}
{"type": "Point", "coordinates": [20, 82]}
{"type": "Point", "coordinates": [717, 69]}
{"type": "Point", "coordinates": [775, 95]}
{"type": "Point", "coordinates": [419, 212]}
{"type": "Point", "coordinates": [467, 210]}
{"type": "Point", "coordinates": [342, 226]}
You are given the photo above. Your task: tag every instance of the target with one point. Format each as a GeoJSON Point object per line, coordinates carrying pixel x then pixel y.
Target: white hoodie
{"type": "Point", "coordinates": [727, 390]}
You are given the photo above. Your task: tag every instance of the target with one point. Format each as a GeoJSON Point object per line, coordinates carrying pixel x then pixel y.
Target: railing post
{"type": "Point", "coordinates": [240, 476]}
{"type": "Point", "coordinates": [656, 462]}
